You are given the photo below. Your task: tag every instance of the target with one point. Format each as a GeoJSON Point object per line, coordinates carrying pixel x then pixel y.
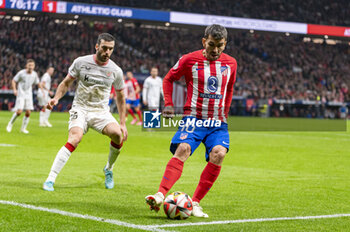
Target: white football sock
{"type": "Point", "coordinates": [59, 162]}
{"type": "Point", "coordinates": [13, 118]}
{"type": "Point", "coordinates": [113, 155]}
{"type": "Point", "coordinates": [41, 117]}
{"type": "Point", "coordinates": [47, 114]}
{"type": "Point", "coordinates": [25, 123]}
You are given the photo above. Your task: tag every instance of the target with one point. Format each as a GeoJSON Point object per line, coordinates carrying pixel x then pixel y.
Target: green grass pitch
{"type": "Point", "coordinates": [265, 175]}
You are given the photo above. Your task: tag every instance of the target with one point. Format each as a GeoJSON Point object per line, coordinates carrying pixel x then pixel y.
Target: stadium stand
{"type": "Point", "coordinates": [317, 12]}
{"type": "Point", "coordinates": [270, 66]}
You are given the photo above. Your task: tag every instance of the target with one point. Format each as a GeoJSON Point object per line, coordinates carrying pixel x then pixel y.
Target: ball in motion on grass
{"type": "Point", "coordinates": [178, 205]}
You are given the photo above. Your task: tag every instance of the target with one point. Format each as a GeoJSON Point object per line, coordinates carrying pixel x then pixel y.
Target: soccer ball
{"type": "Point", "coordinates": [178, 205]}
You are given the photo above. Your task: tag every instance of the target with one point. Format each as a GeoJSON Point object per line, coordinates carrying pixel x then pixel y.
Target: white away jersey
{"type": "Point", "coordinates": [25, 81]}
{"type": "Point", "coordinates": [152, 89]}
{"type": "Point", "coordinates": [47, 79]}
{"type": "Point", "coordinates": [95, 82]}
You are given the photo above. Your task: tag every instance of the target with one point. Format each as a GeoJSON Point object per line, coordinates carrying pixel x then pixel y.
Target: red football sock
{"type": "Point", "coordinates": [139, 114]}
{"type": "Point", "coordinates": [132, 113]}
{"type": "Point", "coordinates": [118, 146]}
{"type": "Point", "coordinates": [70, 147]}
{"type": "Point", "coordinates": [208, 177]}
{"type": "Point", "coordinates": [172, 173]}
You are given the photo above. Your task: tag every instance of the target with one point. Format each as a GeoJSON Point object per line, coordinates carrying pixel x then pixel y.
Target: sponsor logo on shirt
{"type": "Point", "coordinates": [85, 67]}
{"type": "Point", "coordinates": [212, 84]}
{"type": "Point", "coordinates": [210, 96]}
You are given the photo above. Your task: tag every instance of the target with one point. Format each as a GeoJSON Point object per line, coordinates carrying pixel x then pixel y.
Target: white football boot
{"type": "Point", "coordinates": [24, 131]}
{"type": "Point", "coordinates": [9, 127]}
{"type": "Point", "coordinates": [155, 201]}
{"type": "Point", "coordinates": [47, 123]}
{"type": "Point", "coordinates": [198, 211]}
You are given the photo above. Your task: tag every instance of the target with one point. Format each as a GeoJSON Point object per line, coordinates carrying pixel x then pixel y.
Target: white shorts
{"type": "Point", "coordinates": [43, 99]}
{"type": "Point", "coordinates": [24, 104]}
{"type": "Point", "coordinates": [153, 103]}
{"type": "Point", "coordinates": [84, 119]}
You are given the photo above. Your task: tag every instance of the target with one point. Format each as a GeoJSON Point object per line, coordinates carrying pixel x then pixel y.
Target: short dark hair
{"type": "Point", "coordinates": [30, 61]}
{"type": "Point", "coordinates": [217, 31]}
{"type": "Point", "coordinates": [106, 37]}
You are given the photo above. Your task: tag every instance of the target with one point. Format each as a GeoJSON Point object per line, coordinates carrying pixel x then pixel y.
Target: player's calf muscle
{"type": "Point", "coordinates": [75, 136]}
{"type": "Point", "coordinates": [116, 136]}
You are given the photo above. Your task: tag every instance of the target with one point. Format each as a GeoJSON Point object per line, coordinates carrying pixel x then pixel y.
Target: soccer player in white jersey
{"type": "Point", "coordinates": [95, 75]}
{"type": "Point", "coordinates": [152, 90]}
{"type": "Point", "coordinates": [22, 88]}
{"type": "Point", "coordinates": [43, 98]}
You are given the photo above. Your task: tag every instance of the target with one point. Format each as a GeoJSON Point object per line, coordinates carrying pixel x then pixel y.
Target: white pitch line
{"type": "Point", "coordinates": [84, 216]}
{"type": "Point", "coordinates": [250, 220]}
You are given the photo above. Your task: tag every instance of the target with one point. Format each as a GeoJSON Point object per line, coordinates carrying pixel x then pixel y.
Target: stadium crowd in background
{"type": "Point", "coordinates": [317, 12]}
{"type": "Point", "coordinates": [271, 66]}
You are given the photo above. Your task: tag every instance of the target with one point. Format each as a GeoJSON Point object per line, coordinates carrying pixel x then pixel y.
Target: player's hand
{"type": "Point", "coordinates": [124, 131]}
{"type": "Point", "coordinates": [145, 103]}
{"type": "Point", "coordinates": [51, 103]}
{"type": "Point", "coordinates": [15, 92]}
{"type": "Point", "coordinates": [168, 112]}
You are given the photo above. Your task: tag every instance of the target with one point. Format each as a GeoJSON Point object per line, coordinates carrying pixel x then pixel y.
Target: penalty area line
{"type": "Point", "coordinates": [251, 220]}
{"type": "Point", "coordinates": [84, 216]}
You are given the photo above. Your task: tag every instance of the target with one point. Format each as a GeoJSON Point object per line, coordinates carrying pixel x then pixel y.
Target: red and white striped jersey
{"type": "Point", "coordinates": [209, 84]}
{"type": "Point", "coordinates": [131, 86]}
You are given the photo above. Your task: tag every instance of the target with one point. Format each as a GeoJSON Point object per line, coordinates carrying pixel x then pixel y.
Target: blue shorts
{"type": "Point", "coordinates": [210, 136]}
{"type": "Point", "coordinates": [133, 103]}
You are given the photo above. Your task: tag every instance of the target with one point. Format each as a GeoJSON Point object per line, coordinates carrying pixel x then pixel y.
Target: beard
{"type": "Point", "coordinates": [102, 58]}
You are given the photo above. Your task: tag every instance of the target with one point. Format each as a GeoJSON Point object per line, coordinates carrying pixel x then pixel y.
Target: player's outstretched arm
{"type": "Point", "coordinates": [60, 92]}
{"type": "Point", "coordinates": [122, 112]}
{"type": "Point", "coordinates": [14, 87]}
{"type": "Point", "coordinates": [41, 87]}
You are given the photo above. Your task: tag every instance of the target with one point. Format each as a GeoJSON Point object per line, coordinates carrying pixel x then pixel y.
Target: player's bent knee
{"type": "Point", "coordinates": [74, 140]}
{"type": "Point", "coordinates": [217, 155]}
{"type": "Point", "coordinates": [183, 151]}
{"type": "Point", "coordinates": [116, 136]}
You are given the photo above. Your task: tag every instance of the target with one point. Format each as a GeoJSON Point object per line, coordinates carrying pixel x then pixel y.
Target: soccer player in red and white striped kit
{"type": "Point", "coordinates": [210, 75]}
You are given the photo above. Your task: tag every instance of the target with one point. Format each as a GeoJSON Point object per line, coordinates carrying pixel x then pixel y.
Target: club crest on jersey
{"type": "Point", "coordinates": [183, 136]}
{"type": "Point", "coordinates": [108, 74]}
{"type": "Point", "coordinates": [212, 84]}
{"type": "Point", "coordinates": [224, 70]}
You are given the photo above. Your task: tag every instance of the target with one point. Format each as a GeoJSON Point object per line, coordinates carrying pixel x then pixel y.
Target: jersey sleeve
{"type": "Point", "coordinates": [175, 73]}
{"type": "Point", "coordinates": [36, 80]}
{"type": "Point", "coordinates": [229, 93]}
{"type": "Point", "coordinates": [44, 78]}
{"type": "Point", "coordinates": [145, 89]}
{"type": "Point", "coordinates": [17, 78]}
{"type": "Point", "coordinates": [73, 70]}
{"type": "Point", "coordinates": [134, 83]}
{"type": "Point", "coordinates": [161, 87]}
{"type": "Point", "coordinates": [119, 81]}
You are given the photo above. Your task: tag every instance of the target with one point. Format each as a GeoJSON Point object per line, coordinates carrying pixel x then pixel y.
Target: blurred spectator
{"type": "Point", "coordinates": [270, 66]}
